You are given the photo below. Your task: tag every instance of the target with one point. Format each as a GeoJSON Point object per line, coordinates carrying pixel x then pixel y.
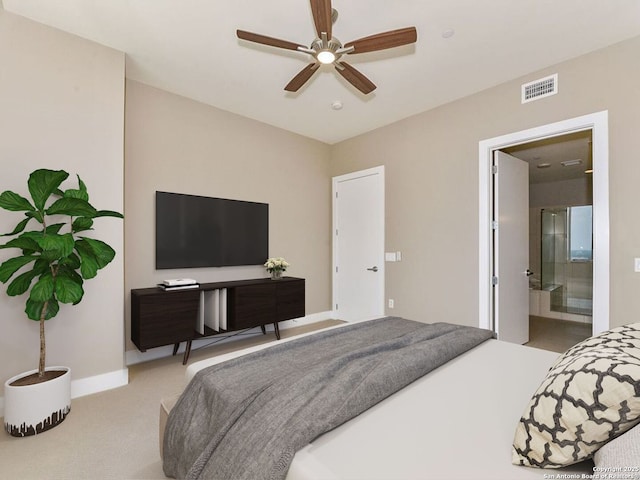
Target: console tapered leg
{"type": "Point", "coordinates": [187, 352]}
{"type": "Point", "coordinates": [277, 330]}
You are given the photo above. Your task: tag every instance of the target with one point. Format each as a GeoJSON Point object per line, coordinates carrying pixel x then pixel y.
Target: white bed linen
{"type": "Point", "coordinates": [456, 422]}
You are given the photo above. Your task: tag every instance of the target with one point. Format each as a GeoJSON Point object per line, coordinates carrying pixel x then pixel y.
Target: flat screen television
{"type": "Point", "coordinates": [195, 231]}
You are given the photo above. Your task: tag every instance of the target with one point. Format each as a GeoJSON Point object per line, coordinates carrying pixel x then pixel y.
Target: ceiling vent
{"type": "Point", "coordinates": [541, 88]}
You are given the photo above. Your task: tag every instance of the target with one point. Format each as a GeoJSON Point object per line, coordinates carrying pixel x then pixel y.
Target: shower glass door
{"type": "Point", "coordinates": [567, 258]}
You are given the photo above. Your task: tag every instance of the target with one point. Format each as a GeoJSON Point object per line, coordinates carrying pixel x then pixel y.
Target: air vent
{"type": "Point", "coordinates": [541, 88]}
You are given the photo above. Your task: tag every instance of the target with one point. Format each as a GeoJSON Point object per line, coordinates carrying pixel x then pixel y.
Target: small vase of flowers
{"type": "Point", "coordinates": [275, 266]}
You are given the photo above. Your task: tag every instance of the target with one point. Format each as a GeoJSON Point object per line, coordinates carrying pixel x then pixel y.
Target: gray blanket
{"type": "Point", "coordinates": [246, 418]}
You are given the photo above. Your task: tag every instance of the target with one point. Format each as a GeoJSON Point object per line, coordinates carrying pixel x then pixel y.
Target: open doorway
{"type": "Point", "coordinates": [597, 124]}
{"type": "Point", "coordinates": [560, 238]}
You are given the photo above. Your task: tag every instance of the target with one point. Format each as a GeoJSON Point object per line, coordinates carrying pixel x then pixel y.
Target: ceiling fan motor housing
{"type": "Point", "coordinates": [332, 45]}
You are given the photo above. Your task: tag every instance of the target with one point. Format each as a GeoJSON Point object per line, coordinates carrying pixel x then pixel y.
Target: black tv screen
{"type": "Point", "coordinates": [194, 231]}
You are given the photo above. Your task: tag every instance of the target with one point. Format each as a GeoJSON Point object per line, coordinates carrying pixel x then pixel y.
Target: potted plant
{"type": "Point", "coordinates": [276, 266]}
{"type": "Point", "coordinates": [52, 263]}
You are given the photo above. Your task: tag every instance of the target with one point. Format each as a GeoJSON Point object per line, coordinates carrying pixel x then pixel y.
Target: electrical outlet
{"type": "Point", "coordinates": [391, 303]}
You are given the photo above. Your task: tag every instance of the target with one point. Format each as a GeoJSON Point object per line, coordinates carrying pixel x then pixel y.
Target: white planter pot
{"type": "Point", "coordinates": [33, 409]}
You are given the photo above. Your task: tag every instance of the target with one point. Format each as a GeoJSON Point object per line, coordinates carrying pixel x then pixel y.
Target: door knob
{"type": "Point", "coordinates": [373, 269]}
{"type": "Point", "coordinates": [528, 272]}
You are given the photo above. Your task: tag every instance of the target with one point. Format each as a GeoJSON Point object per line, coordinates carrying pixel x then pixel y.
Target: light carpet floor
{"type": "Point", "coordinates": [114, 434]}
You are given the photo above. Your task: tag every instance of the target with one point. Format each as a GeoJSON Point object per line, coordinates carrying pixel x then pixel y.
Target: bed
{"type": "Point", "coordinates": [457, 421]}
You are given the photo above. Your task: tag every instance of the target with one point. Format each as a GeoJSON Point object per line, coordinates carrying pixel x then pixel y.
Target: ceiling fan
{"type": "Point", "coordinates": [326, 49]}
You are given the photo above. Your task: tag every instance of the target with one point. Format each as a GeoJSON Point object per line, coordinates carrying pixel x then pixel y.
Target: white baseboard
{"type": "Point", "coordinates": [134, 356]}
{"type": "Point", "coordinates": [99, 383]}
{"type": "Point", "coordinates": [94, 384]}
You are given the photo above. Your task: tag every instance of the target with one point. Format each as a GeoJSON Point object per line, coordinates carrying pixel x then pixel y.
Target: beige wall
{"type": "Point", "coordinates": [62, 107]}
{"type": "Point", "coordinates": [431, 164]}
{"type": "Point", "coordinates": [174, 144]}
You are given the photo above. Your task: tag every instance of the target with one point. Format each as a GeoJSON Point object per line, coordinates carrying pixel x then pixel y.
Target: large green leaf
{"type": "Point", "coordinates": [14, 202]}
{"type": "Point", "coordinates": [102, 252]}
{"type": "Point", "coordinates": [80, 192]}
{"type": "Point", "coordinates": [55, 228]}
{"type": "Point", "coordinates": [34, 309]}
{"type": "Point", "coordinates": [81, 184]}
{"type": "Point", "coordinates": [20, 227]}
{"type": "Point", "coordinates": [75, 193]}
{"type": "Point", "coordinates": [11, 266]}
{"type": "Point", "coordinates": [24, 243]}
{"type": "Point", "coordinates": [108, 213]}
{"type": "Point", "coordinates": [56, 246]}
{"type": "Point", "coordinates": [89, 267]}
{"type": "Point", "coordinates": [34, 235]}
{"type": "Point", "coordinates": [21, 283]}
{"type": "Point", "coordinates": [38, 215]}
{"type": "Point", "coordinates": [71, 261]}
{"type": "Point", "coordinates": [66, 271]}
{"type": "Point", "coordinates": [42, 265]}
{"type": "Point", "coordinates": [82, 224]}
{"type": "Point", "coordinates": [42, 183]}
{"type": "Point", "coordinates": [68, 290]}
{"type": "Point", "coordinates": [88, 261]}
{"type": "Point", "coordinates": [74, 207]}
{"type": "Point", "coordinates": [43, 288]}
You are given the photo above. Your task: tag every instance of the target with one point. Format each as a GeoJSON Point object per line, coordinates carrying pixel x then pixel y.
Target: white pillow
{"type": "Point", "coordinates": [589, 396]}
{"type": "Point", "coordinates": [620, 453]}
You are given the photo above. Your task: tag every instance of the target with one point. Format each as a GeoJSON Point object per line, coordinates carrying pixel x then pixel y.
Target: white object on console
{"type": "Point", "coordinates": [174, 282]}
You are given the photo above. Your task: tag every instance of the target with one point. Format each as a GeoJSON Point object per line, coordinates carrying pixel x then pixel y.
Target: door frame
{"type": "Point", "coordinates": [334, 188]}
{"type": "Point", "coordinates": [598, 123]}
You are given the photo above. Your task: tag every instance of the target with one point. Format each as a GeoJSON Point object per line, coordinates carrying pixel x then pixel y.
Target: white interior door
{"type": "Point", "coordinates": [358, 245]}
{"type": "Point", "coordinates": [511, 248]}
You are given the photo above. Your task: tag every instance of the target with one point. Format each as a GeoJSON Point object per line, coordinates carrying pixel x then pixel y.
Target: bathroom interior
{"type": "Point", "coordinates": [560, 239]}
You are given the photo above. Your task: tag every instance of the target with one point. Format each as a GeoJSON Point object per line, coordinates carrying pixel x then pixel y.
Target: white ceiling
{"type": "Point", "coordinates": [549, 154]}
{"type": "Point", "coordinates": [189, 47]}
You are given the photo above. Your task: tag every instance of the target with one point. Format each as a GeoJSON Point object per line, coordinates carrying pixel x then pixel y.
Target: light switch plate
{"type": "Point", "coordinates": [637, 265]}
{"type": "Point", "coordinates": [390, 256]}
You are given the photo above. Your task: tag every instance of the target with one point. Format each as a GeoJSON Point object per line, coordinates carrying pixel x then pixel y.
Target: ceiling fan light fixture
{"type": "Point", "coordinates": [326, 57]}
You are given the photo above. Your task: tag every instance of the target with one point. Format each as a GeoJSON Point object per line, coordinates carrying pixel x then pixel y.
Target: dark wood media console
{"type": "Point", "coordinates": [160, 317]}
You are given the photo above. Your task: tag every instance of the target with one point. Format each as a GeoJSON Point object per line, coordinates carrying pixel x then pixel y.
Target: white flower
{"type": "Point", "coordinates": [275, 264]}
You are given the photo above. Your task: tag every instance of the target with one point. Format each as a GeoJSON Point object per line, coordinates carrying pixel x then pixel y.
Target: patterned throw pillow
{"type": "Point", "coordinates": [590, 395]}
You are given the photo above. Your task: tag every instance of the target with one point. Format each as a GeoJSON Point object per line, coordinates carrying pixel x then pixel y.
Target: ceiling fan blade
{"type": "Point", "coordinates": [355, 78]}
{"type": "Point", "coordinates": [264, 40]}
{"type": "Point", "coordinates": [382, 41]}
{"type": "Point", "coordinates": [301, 78]}
{"type": "Point", "coordinates": [321, 11]}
